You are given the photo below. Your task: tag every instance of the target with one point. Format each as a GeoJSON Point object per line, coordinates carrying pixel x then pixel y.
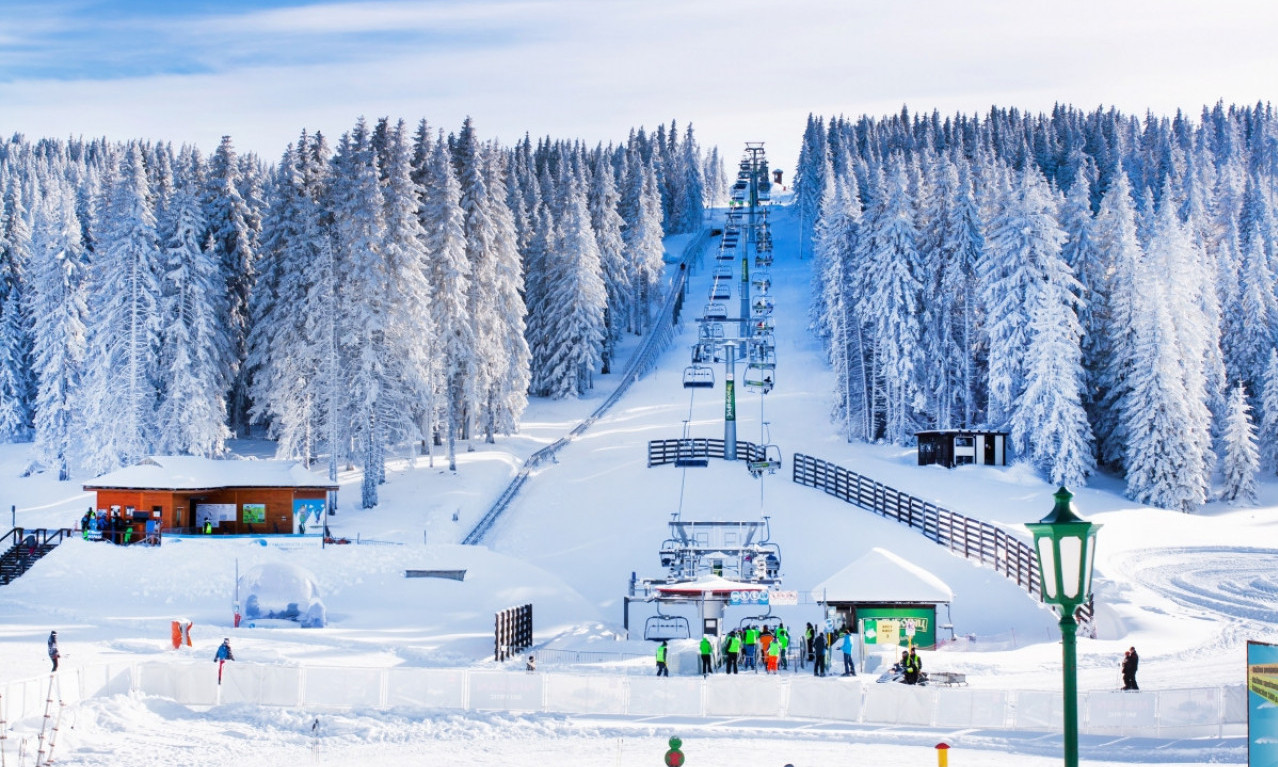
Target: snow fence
{"type": "Point", "coordinates": [1180, 713]}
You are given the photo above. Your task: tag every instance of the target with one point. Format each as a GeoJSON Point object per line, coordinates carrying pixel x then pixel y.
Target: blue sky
{"type": "Point", "coordinates": [261, 71]}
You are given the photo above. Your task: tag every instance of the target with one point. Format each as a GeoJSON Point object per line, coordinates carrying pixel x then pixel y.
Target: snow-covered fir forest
{"type": "Point", "coordinates": [1099, 285]}
{"type": "Point", "coordinates": [401, 285]}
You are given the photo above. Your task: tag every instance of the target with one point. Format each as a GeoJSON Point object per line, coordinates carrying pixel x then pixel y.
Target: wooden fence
{"type": "Point", "coordinates": [513, 631]}
{"type": "Point", "coordinates": [970, 538]}
{"type": "Point", "coordinates": [664, 451]}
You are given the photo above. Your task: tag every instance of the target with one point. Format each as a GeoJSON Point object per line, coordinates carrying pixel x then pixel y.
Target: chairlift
{"type": "Point", "coordinates": [721, 291]}
{"type": "Point", "coordinates": [723, 273]}
{"type": "Point", "coordinates": [768, 459]}
{"type": "Point", "coordinates": [762, 325]}
{"type": "Point", "coordinates": [759, 376]}
{"type": "Point", "coordinates": [761, 280]}
{"type": "Point", "coordinates": [659, 627]}
{"type": "Point", "coordinates": [765, 353]}
{"type": "Point", "coordinates": [763, 259]}
{"type": "Point", "coordinates": [698, 377]}
{"type": "Point", "coordinates": [715, 311]}
{"type": "Point", "coordinates": [711, 331]}
{"type": "Point", "coordinates": [762, 306]}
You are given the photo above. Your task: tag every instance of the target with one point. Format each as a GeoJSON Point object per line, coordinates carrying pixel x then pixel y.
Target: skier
{"type": "Point", "coordinates": [1130, 661]}
{"type": "Point", "coordinates": [774, 656]}
{"type": "Point", "coordinates": [661, 659]}
{"type": "Point", "coordinates": [53, 649]}
{"type": "Point", "coordinates": [849, 668]}
{"type": "Point", "coordinates": [222, 655]}
{"type": "Point", "coordinates": [208, 527]}
{"type": "Point", "coordinates": [707, 650]}
{"type": "Point", "coordinates": [531, 665]}
{"type": "Point", "coordinates": [783, 636]}
{"type": "Point", "coordinates": [818, 654]}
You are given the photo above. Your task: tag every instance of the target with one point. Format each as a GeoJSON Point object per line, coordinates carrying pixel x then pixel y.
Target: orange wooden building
{"type": "Point", "coordinates": [235, 496]}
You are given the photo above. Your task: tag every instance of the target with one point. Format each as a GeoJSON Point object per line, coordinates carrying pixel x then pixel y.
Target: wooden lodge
{"type": "Point", "coordinates": [182, 493]}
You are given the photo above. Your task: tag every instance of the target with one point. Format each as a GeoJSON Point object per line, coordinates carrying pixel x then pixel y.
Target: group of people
{"type": "Point", "coordinates": [910, 667]}
{"type": "Point", "coordinates": [752, 647]}
{"type": "Point", "coordinates": [117, 529]}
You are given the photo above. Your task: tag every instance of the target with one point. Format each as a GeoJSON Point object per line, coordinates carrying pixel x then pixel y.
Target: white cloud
{"type": "Point", "coordinates": [751, 70]}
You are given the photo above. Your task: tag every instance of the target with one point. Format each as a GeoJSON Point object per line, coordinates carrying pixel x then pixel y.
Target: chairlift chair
{"type": "Point", "coordinates": [711, 331]}
{"type": "Point", "coordinates": [759, 376]}
{"type": "Point", "coordinates": [763, 259]}
{"type": "Point", "coordinates": [688, 456]}
{"type": "Point", "coordinates": [698, 377]}
{"type": "Point", "coordinates": [762, 325]}
{"type": "Point", "coordinates": [768, 460]}
{"type": "Point", "coordinates": [762, 306]}
{"type": "Point", "coordinates": [715, 311]}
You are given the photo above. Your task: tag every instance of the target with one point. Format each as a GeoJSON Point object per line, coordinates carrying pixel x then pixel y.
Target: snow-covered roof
{"type": "Point", "coordinates": [710, 584]}
{"type": "Point", "coordinates": [185, 472]}
{"type": "Point", "coordinates": [881, 576]}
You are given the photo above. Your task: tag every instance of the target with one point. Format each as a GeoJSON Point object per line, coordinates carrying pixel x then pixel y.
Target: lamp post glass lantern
{"type": "Point", "coordinates": [1066, 546]}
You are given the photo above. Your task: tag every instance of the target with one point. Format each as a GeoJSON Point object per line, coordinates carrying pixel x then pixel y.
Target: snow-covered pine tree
{"type": "Point", "coordinates": [1242, 455]}
{"type": "Point", "coordinates": [1110, 360]}
{"type": "Point", "coordinates": [891, 304]}
{"type": "Point", "coordinates": [230, 222]}
{"type": "Point", "coordinates": [692, 207]}
{"type": "Point", "coordinates": [122, 375]}
{"type": "Point", "coordinates": [1048, 423]}
{"type": "Point", "coordinates": [449, 276]}
{"type": "Point", "coordinates": [642, 199]}
{"type": "Point", "coordinates": [283, 357]}
{"type": "Point", "coordinates": [1268, 417]}
{"type": "Point", "coordinates": [359, 231]}
{"type": "Point", "coordinates": [575, 296]}
{"type": "Point", "coordinates": [15, 342]}
{"type": "Point", "coordinates": [608, 227]}
{"type": "Point", "coordinates": [508, 390]}
{"type": "Point", "coordinates": [413, 369]}
{"type": "Point", "coordinates": [57, 311]}
{"type": "Point", "coordinates": [1022, 238]}
{"type": "Point", "coordinates": [191, 416]}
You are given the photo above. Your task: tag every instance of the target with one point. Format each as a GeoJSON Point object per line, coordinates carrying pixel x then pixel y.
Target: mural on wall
{"type": "Point", "coordinates": [1262, 704]}
{"type": "Point", "coordinates": [254, 513]}
{"type": "Point", "coordinates": [215, 513]}
{"type": "Point", "coordinates": [307, 512]}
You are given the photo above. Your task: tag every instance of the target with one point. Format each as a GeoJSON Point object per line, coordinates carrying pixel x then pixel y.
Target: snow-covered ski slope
{"type": "Point", "coordinates": [1186, 590]}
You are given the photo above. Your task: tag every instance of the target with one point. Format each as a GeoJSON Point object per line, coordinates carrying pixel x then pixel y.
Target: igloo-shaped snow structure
{"type": "Point", "coordinates": [282, 591]}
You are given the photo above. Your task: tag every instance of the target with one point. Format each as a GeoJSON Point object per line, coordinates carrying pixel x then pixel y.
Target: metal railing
{"type": "Point", "coordinates": [664, 451]}
{"type": "Point", "coordinates": [641, 362]}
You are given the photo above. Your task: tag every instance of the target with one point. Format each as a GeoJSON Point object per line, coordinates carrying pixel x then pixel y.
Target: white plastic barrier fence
{"type": "Point", "coordinates": [1192, 712]}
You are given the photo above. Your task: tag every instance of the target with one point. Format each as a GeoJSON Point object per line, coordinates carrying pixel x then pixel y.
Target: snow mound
{"type": "Point", "coordinates": [281, 591]}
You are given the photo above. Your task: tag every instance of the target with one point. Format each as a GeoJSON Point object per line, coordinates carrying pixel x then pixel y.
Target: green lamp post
{"type": "Point", "coordinates": [1066, 546]}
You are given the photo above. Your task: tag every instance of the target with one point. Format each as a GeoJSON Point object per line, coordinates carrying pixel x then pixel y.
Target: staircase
{"type": "Point", "coordinates": [23, 547]}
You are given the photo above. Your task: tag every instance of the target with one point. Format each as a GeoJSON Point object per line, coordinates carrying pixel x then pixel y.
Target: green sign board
{"type": "Point", "coordinates": [902, 626]}
{"type": "Point", "coordinates": [729, 400]}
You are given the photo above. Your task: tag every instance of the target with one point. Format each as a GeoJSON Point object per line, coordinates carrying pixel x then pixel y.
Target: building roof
{"type": "Point", "coordinates": [881, 576]}
{"type": "Point", "coordinates": [185, 472]}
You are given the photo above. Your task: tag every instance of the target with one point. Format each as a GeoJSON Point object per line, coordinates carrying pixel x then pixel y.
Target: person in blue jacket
{"type": "Point", "coordinates": [849, 668]}
{"type": "Point", "coordinates": [224, 651]}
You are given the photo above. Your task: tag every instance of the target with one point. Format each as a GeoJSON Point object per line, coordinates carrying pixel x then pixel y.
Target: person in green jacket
{"type": "Point", "coordinates": [734, 648]}
{"type": "Point", "coordinates": [661, 659]}
{"type": "Point", "coordinates": [774, 656]}
{"type": "Point", "coordinates": [707, 652]}
{"type": "Point", "coordinates": [751, 647]}
{"type": "Point", "coordinates": [783, 636]}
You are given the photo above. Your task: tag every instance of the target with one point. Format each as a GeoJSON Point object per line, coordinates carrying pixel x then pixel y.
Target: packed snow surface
{"type": "Point", "coordinates": [1188, 590]}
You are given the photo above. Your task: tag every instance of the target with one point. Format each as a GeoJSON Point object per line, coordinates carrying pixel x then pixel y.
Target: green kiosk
{"type": "Point", "coordinates": [888, 600]}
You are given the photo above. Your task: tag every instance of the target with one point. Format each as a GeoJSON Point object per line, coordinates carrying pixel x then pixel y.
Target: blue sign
{"type": "Point", "coordinates": [748, 597]}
